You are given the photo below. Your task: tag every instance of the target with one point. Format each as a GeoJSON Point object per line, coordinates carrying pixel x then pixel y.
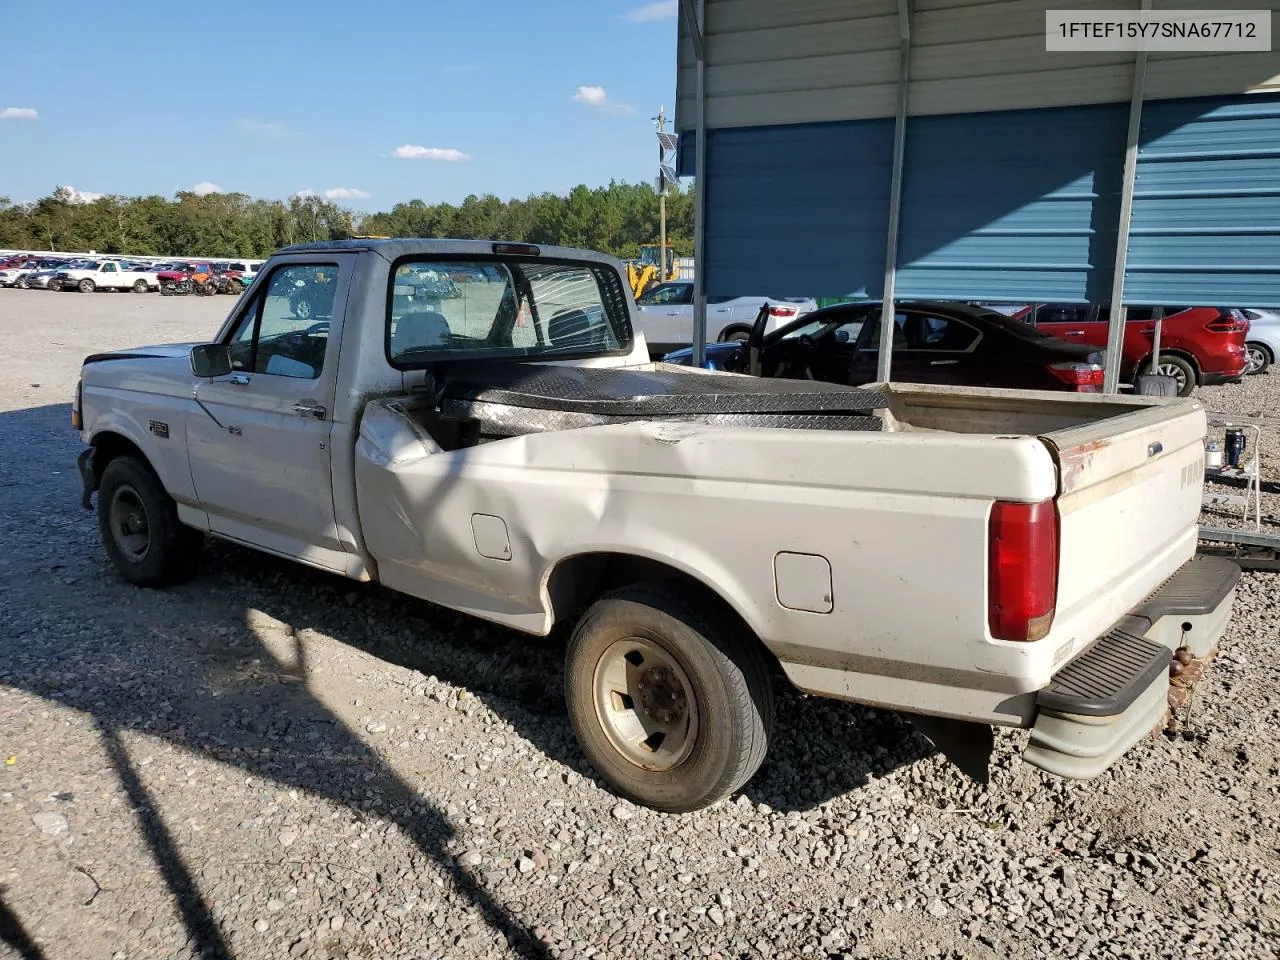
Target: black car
{"type": "Point", "coordinates": [950, 343]}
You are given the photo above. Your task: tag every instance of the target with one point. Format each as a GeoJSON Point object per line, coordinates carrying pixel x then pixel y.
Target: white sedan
{"type": "Point", "coordinates": [1262, 342]}
{"type": "Point", "coordinates": [666, 315]}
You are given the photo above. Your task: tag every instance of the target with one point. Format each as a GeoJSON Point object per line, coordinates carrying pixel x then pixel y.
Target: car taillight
{"type": "Point", "coordinates": [1085, 377]}
{"type": "Point", "coordinates": [1022, 569]}
{"type": "Point", "coordinates": [784, 313]}
{"type": "Point", "coordinates": [1229, 321]}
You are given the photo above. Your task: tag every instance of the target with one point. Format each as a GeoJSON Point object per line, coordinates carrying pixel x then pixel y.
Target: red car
{"type": "Point", "coordinates": [1198, 345]}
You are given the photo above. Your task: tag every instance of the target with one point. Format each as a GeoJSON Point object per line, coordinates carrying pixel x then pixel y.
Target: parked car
{"type": "Point", "coordinates": [1017, 558]}
{"type": "Point", "coordinates": [185, 278]}
{"type": "Point", "coordinates": [90, 275]}
{"type": "Point", "coordinates": [242, 272]}
{"type": "Point", "coordinates": [1262, 342]}
{"type": "Point", "coordinates": [16, 275]}
{"type": "Point", "coordinates": [1198, 345]}
{"type": "Point", "coordinates": [933, 343]}
{"type": "Point", "coordinates": [666, 315]}
{"type": "Point", "coordinates": [46, 278]}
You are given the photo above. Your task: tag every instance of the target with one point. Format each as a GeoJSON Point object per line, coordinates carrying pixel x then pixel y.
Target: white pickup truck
{"type": "Point", "coordinates": [475, 424]}
{"type": "Point", "coordinates": [90, 275]}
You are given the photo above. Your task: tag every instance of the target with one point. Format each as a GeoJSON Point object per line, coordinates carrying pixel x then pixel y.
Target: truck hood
{"type": "Point", "coordinates": [165, 350]}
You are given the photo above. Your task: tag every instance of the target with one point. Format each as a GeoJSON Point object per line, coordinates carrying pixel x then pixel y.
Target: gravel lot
{"type": "Point", "coordinates": [271, 762]}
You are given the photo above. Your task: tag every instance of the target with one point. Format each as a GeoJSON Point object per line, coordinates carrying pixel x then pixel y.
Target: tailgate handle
{"type": "Point", "coordinates": [1155, 448]}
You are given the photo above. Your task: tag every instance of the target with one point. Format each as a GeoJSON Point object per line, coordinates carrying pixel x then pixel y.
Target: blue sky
{"type": "Point", "coordinates": [373, 103]}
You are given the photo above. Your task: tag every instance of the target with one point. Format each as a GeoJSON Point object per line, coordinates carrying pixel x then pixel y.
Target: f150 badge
{"type": "Point", "coordinates": [159, 428]}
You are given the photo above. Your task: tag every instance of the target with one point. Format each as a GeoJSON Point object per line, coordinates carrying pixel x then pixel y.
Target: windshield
{"type": "Point", "coordinates": [456, 309]}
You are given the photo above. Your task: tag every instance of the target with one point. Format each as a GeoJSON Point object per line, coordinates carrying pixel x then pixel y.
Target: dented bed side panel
{"type": "Point", "coordinates": [900, 519]}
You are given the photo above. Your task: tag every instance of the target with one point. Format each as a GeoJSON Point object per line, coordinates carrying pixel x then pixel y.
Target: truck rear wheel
{"type": "Point", "coordinates": [86, 285]}
{"type": "Point", "coordinates": [671, 707]}
{"type": "Point", "coordinates": [140, 528]}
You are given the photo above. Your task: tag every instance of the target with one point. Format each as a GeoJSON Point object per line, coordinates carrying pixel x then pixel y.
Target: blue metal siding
{"type": "Point", "coordinates": [796, 210]}
{"type": "Point", "coordinates": [1012, 205]}
{"type": "Point", "coordinates": [1206, 207]}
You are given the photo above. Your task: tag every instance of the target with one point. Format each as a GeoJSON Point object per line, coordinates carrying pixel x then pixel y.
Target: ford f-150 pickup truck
{"type": "Point", "coordinates": [90, 275]}
{"type": "Point", "coordinates": [475, 424]}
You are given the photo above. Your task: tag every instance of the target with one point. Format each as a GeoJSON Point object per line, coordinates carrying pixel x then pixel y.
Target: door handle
{"type": "Point", "coordinates": [304, 409]}
{"type": "Point", "coordinates": [673, 313]}
{"type": "Point", "coordinates": [1073, 333]}
{"type": "Point", "coordinates": [239, 379]}
{"type": "Point", "coordinates": [942, 363]}
{"type": "Point", "coordinates": [722, 309]}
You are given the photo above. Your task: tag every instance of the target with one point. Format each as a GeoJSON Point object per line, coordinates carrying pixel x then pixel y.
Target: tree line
{"type": "Point", "coordinates": [615, 219]}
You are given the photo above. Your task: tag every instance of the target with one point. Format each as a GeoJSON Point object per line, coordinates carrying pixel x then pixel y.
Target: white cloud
{"type": "Point", "coordinates": [72, 195]}
{"type": "Point", "coordinates": [663, 10]}
{"type": "Point", "coordinates": [596, 97]}
{"type": "Point", "coordinates": [204, 188]}
{"type": "Point", "coordinates": [412, 151]}
{"type": "Point", "coordinates": [346, 193]}
{"type": "Point", "coordinates": [264, 129]}
{"type": "Point", "coordinates": [18, 113]}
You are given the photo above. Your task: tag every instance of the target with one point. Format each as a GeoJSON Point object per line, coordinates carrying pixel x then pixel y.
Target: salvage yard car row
{"type": "Point", "coordinates": [90, 274]}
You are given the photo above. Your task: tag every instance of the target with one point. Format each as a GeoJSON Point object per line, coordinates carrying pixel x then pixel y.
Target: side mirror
{"type": "Point", "coordinates": [211, 360]}
{"type": "Point", "coordinates": [842, 336]}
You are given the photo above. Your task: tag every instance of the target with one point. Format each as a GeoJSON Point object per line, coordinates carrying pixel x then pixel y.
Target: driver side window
{"type": "Point", "coordinates": [285, 331]}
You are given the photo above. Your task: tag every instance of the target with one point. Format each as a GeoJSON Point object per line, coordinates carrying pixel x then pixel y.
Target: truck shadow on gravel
{"type": "Point", "coordinates": [821, 749]}
{"type": "Point", "coordinates": [186, 666]}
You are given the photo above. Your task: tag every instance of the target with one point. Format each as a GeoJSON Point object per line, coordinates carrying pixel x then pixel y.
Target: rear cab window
{"type": "Point", "coordinates": [499, 308]}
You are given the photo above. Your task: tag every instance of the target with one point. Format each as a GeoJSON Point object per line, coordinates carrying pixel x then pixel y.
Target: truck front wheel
{"type": "Point", "coordinates": [671, 706]}
{"type": "Point", "coordinates": [140, 527]}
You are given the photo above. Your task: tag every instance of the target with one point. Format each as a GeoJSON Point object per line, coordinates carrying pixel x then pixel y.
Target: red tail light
{"type": "Point", "coordinates": [1022, 574]}
{"type": "Point", "coordinates": [1085, 377]}
{"type": "Point", "coordinates": [1229, 321]}
{"type": "Point", "coordinates": [783, 313]}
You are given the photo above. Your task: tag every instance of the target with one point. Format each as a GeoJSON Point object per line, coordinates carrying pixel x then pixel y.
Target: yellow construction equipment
{"type": "Point", "coordinates": [644, 272]}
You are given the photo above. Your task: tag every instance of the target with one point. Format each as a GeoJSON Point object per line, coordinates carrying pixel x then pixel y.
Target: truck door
{"type": "Point", "coordinates": [258, 438]}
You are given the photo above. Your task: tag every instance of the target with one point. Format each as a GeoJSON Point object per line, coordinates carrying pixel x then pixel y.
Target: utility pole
{"type": "Point", "coordinates": [662, 197]}
{"type": "Point", "coordinates": [667, 143]}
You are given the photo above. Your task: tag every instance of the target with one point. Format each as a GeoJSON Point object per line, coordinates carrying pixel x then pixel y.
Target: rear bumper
{"type": "Point", "coordinates": [1106, 700]}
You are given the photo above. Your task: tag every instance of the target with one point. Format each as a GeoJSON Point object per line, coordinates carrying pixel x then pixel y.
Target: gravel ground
{"type": "Point", "coordinates": [271, 762]}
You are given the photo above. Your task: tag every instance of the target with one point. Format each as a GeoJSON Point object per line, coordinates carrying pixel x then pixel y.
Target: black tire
{"type": "Point", "coordinates": [735, 335]}
{"type": "Point", "coordinates": [171, 550]}
{"type": "Point", "coordinates": [1259, 357]}
{"type": "Point", "coordinates": [139, 286]}
{"type": "Point", "coordinates": [727, 681]}
{"type": "Point", "coordinates": [1172, 365]}
{"type": "Point", "coordinates": [87, 286]}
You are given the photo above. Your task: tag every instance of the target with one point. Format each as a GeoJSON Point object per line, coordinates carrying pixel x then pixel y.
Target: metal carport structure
{"type": "Point", "coordinates": [934, 149]}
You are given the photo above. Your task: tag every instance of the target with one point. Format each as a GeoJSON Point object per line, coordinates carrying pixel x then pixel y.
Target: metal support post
{"type": "Point", "coordinates": [885, 360]}
{"type": "Point", "coordinates": [694, 13]}
{"type": "Point", "coordinates": [1115, 330]}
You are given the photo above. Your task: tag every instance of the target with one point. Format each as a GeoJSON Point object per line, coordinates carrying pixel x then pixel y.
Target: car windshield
{"type": "Point", "coordinates": [453, 309]}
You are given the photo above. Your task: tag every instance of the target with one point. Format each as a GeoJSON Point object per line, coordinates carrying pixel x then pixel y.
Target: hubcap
{"type": "Point", "coordinates": [130, 528]}
{"type": "Point", "coordinates": [1170, 370]}
{"type": "Point", "coordinates": [1256, 359]}
{"type": "Point", "coordinates": [645, 703]}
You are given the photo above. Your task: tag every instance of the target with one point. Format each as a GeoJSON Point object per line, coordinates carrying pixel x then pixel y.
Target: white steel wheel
{"type": "Point", "coordinates": [645, 703]}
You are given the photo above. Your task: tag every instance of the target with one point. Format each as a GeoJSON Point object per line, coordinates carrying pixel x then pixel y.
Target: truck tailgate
{"type": "Point", "coordinates": [1129, 496]}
